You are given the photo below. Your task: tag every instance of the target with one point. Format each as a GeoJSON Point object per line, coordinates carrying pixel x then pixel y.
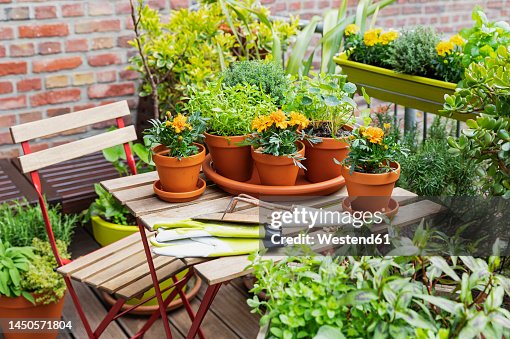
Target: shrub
{"type": "Point", "coordinates": [414, 51]}
{"type": "Point", "coordinates": [268, 76]}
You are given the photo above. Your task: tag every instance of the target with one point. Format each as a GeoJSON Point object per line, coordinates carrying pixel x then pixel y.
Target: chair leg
{"type": "Point", "coordinates": [187, 305]}
{"type": "Point", "coordinates": [109, 317]}
{"type": "Point", "coordinates": [209, 296]}
{"type": "Point", "coordinates": [78, 307]}
{"type": "Point", "coordinates": [148, 254]}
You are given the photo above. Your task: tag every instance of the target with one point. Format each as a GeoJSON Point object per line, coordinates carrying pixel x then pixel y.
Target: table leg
{"type": "Point", "coordinates": [209, 296]}
{"type": "Point", "coordinates": [187, 305]}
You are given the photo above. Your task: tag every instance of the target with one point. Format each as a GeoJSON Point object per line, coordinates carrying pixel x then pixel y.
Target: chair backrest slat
{"type": "Point", "coordinates": [61, 123]}
{"type": "Point", "coordinates": [34, 161]}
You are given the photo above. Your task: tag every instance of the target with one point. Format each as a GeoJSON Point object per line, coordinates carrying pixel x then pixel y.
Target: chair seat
{"type": "Point", "coordinates": [121, 268]}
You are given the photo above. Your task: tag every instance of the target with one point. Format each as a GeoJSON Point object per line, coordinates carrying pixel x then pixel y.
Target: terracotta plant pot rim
{"type": "Point", "coordinates": [328, 143]}
{"type": "Point", "coordinates": [161, 160]}
{"type": "Point", "coordinates": [21, 302]}
{"type": "Point", "coordinates": [282, 160]}
{"type": "Point", "coordinates": [224, 141]}
{"type": "Point", "coordinates": [373, 179]}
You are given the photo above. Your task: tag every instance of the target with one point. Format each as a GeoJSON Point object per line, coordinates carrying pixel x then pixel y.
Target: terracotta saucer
{"type": "Point", "coordinates": [182, 196]}
{"type": "Point", "coordinates": [253, 187]}
{"type": "Point", "coordinates": [389, 212]}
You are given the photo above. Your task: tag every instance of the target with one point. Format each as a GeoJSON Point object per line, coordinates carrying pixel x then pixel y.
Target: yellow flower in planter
{"type": "Point", "coordinates": [371, 37]}
{"type": "Point", "coordinates": [374, 135]}
{"type": "Point", "coordinates": [387, 126]}
{"type": "Point", "coordinates": [279, 118]}
{"type": "Point", "coordinates": [261, 123]}
{"type": "Point", "coordinates": [179, 123]}
{"type": "Point", "coordinates": [351, 29]}
{"type": "Point", "coordinates": [387, 37]}
{"type": "Point", "coordinates": [298, 119]}
{"type": "Point", "coordinates": [444, 47]}
{"type": "Point", "coordinates": [457, 40]}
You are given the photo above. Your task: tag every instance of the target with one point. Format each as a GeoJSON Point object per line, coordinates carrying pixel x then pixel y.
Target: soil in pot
{"type": "Point", "coordinates": [277, 170]}
{"type": "Point", "coordinates": [230, 160]}
{"type": "Point", "coordinates": [320, 157]}
{"type": "Point", "coordinates": [178, 175]}
{"type": "Point", "coordinates": [20, 308]}
{"type": "Point", "coordinates": [370, 192]}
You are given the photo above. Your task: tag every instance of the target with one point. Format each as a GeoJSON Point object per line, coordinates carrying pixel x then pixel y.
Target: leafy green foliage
{"type": "Point", "coordinates": [107, 208]}
{"type": "Point", "coordinates": [268, 76]}
{"type": "Point", "coordinates": [484, 38]}
{"type": "Point", "coordinates": [414, 51]}
{"type": "Point", "coordinates": [230, 110]}
{"type": "Point", "coordinates": [41, 278]}
{"type": "Point", "coordinates": [326, 99]}
{"type": "Point", "coordinates": [381, 297]}
{"type": "Point", "coordinates": [21, 222]}
{"type": "Point", "coordinates": [13, 262]}
{"type": "Point", "coordinates": [177, 134]}
{"type": "Point", "coordinates": [486, 90]}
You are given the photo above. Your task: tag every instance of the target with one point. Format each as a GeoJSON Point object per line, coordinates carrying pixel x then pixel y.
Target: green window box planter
{"type": "Point", "coordinates": [412, 91]}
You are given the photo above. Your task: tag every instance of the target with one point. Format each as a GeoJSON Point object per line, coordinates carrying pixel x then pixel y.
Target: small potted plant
{"type": "Point", "coordinates": [229, 111]}
{"type": "Point", "coordinates": [175, 152]}
{"type": "Point", "coordinates": [326, 101]}
{"type": "Point", "coordinates": [276, 147]}
{"type": "Point", "coordinates": [370, 169]}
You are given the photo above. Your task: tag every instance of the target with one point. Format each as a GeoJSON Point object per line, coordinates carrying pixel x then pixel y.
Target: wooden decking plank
{"type": "Point", "coordinates": [137, 273]}
{"type": "Point", "coordinates": [123, 183]}
{"type": "Point", "coordinates": [99, 254]}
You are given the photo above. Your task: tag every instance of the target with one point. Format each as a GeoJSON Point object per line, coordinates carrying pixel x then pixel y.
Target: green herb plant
{"type": "Point", "coordinates": [13, 262]}
{"type": "Point", "coordinates": [373, 47]}
{"type": "Point", "coordinates": [485, 90]}
{"type": "Point", "coordinates": [230, 110]}
{"type": "Point", "coordinates": [269, 76]}
{"type": "Point", "coordinates": [381, 297]}
{"type": "Point", "coordinates": [108, 208]}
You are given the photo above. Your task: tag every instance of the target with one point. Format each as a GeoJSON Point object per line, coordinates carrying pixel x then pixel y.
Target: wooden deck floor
{"type": "Point", "coordinates": [229, 316]}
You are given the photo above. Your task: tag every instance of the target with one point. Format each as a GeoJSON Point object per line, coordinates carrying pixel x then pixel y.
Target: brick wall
{"type": "Point", "coordinates": [61, 56]}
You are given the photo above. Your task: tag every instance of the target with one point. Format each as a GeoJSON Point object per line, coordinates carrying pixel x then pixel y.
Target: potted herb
{"type": "Point", "coordinates": [175, 153]}
{"type": "Point", "coordinates": [370, 169]}
{"type": "Point", "coordinates": [326, 100]}
{"type": "Point", "coordinates": [229, 111]}
{"type": "Point", "coordinates": [276, 147]}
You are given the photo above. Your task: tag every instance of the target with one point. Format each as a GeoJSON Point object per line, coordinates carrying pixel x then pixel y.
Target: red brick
{"type": "Point", "coordinates": [13, 67]}
{"type": "Point", "coordinates": [100, 8]}
{"type": "Point", "coordinates": [53, 65]}
{"type": "Point", "coordinates": [5, 138]}
{"type": "Point", "coordinates": [5, 87]}
{"type": "Point", "coordinates": [122, 8]}
{"type": "Point", "coordinates": [97, 26]}
{"type": "Point", "coordinates": [160, 4]}
{"type": "Point", "coordinates": [30, 116]}
{"type": "Point", "coordinates": [38, 31]}
{"type": "Point", "coordinates": [6, 33]}
{"type": "Point", "coordinates": [17, 13]}
{"type": "Point", "coordinates": [72, 10]}
{"type": "Point", "coordinates": [128, 75]}
{"type": "Point", "coordinates": [13, 102]}
{"type": "Point", "coordinates": [177, 4]}
{"type": "Point", "coordinates": [55, 97]}
{"type": "Point", "coordinates": [83, 107]}
{"type": "Point", "coordinates": [295, 6]}
{"type": "Point", "coordinates": [113, 90]}
{"type": "Point", "coordinates": [10, 152]}
{"type": "Point", "coordinates": [106, 76]}
{"type": "Point", "coordinates": [122, 41]}
{"type": "Point", "coordinates": [50, 47]}
{"type": "Point", "coordinates": [7, 120]}
{"type": "Point", "coordinates": [26, 85]}
{"type": "Point", "coordinates": [17, 50]}
{"type": "Point", "coordinates": [39, 146]}
{"type": "Point", "coordinates": [77, 45]}
{"type": "Point", "coordinates": [102, 43]}
{"type": "Point", "coordinates": [103, 59]}
{"type": "Point", "coordinates": [45, 12]}
{"type": "Point", "coordinates": [2, 51]}
{"type": "Point", "coordinates": [52, 112]}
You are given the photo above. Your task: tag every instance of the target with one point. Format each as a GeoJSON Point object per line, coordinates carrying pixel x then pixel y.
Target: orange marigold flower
{"type": "Point", "coordinates": [298, 119]}
{"type": "Point", "coordinates": [261, 123]}
{"type": "Point", "coordinates": [279, 119]}
{"type": "Point", "coordinates": [179, 123]}
{"type": "Point", "coordinates": [374, 135]}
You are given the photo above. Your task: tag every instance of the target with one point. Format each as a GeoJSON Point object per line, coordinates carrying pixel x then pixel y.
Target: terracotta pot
{"type": "Point", "coordinates": [20, 308]}
{"type": "Point", "coordinates": [277, 171]}
{"type": "Point", "coordinates": [370, 192]}
{"type": "Point", "coordinates": [231, 161]}
{"type": "Point", "coordinates": [178, 175]}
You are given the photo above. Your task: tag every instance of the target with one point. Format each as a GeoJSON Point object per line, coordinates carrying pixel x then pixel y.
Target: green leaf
{"type": "Point", "coordinates": [329, 332]}
{"type": "Point", "coordinates": [414, 319]}
{"type": "Point", "coordinates": [443, 265]}
{"type": "Point", "coordinates": [445, 304]}
{"type": "Point", "coordinates": [303, 39]}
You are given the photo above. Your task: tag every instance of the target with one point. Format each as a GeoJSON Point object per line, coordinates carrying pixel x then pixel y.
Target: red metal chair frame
{"type": "Point", "coordinates": [113, 312]}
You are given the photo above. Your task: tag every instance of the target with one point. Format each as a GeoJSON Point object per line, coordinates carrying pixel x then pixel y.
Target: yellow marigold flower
{"type": "Point", "coordinates": [351, 29]}
{"type": "Point", "coordinates": [371, 37]}
{"type": "Point", "coordinates": [298, 119]}
{"type": "Point", "coordinates": [261, 123]}
{"type": "Point", "coordinates": [167, 123]}
{"type": "Point", "coordinates": [387, 126]}
{"type": "Point", "coordinates": [279, 118]}
{"type": "Point", "coordinates": [168, 114]}
{"type": "Point", "coordinates": [179, 138]}
{"type": "Point", "coordinates": [444, 47]}
{"type": "Point", "coordinates": [457, 40]}
{"type": "Point", "coordinates": [374, 135]}
{"type": "Point", "coordinates": [387, 37]}
{"type": "Point", "coordinates": [179, 123]}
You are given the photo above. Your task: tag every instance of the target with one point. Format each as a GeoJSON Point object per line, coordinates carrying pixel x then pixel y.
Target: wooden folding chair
{"type": "Point", "coordinates": [119, 268]}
